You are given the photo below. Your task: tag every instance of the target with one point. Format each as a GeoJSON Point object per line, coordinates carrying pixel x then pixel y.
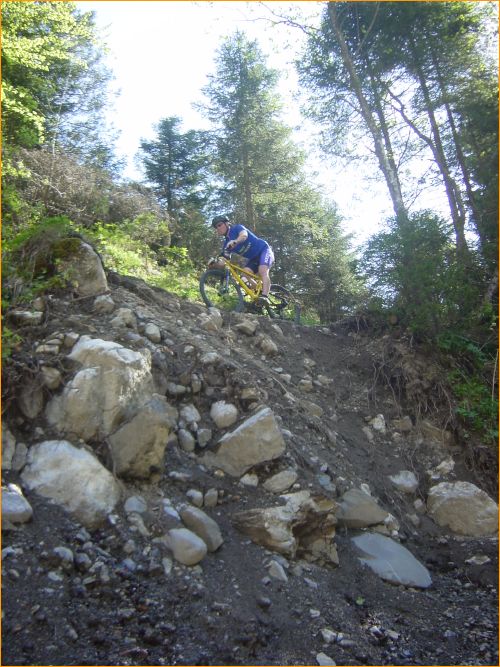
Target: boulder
{"type": "Point", "coordinates": [112, 383]}
{"type": "Point", "coordinates": [83, 267]}
{"type": "Point", "coordinates": [257, 440]}
{"type": "Point", "coordinates": [391, 561]}
{"type": "Point", "coordinates": [73, 478]}
{"type": "Point", "coordinates": [357, 509]}
{"type": "Point", "coordinates": [293, 528]}
{"type": "Point", "coordinates": [138, 447]}
{"type": "Point", "coordinates": [463, 508]}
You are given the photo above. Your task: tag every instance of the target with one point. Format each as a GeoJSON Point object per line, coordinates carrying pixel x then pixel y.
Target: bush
{"type": "Point", "coordinates": [415, 272]}
{"type": "Point", "coordinates": [472, 379]}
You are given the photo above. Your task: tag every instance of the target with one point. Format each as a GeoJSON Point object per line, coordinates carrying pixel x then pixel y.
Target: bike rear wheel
{"type": "Point", "coordinates": [282, 304]}
{"type": "Point", "coordinates": [218, 290]}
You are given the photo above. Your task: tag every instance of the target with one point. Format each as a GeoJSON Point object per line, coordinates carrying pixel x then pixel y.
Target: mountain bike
{"type": "Point", "coordinates": [229, 286]}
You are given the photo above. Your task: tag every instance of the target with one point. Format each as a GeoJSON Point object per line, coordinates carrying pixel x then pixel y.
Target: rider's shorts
{"type": "Point", "coordinates": [266, 258]}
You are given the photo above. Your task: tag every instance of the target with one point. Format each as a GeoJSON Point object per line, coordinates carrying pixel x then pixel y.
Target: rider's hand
{"type": "Point", "coordinates": [230, 245]}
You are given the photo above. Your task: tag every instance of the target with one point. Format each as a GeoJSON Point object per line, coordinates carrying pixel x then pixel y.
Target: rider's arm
{"type": "Point", "coordinates": [242, 236]}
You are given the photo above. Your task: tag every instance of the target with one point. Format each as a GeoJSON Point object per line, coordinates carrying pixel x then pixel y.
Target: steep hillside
{"type": "Point", "coordinates": [228, 463]}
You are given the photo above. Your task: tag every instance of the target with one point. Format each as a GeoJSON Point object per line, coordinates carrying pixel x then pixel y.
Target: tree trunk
{"type": "Point", "coordinates": [390, 174]}
{"type": "Point", "coordinates": [247, 187]}
{"type": "Point", "coordinates": [460, 157]}
{"type": "Point", "coordinates": [453, 194]}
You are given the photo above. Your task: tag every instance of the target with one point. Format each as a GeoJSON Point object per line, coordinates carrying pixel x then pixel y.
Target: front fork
{"type": "Point", "coordinates": [224, 285]}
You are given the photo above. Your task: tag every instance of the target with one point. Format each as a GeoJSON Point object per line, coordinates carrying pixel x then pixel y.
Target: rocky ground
{"type": "Point", "coordinates": [114, 596]}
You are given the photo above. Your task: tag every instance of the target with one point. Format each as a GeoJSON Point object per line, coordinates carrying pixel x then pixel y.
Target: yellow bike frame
{"type": "Point", "coordinates": [250, 282]}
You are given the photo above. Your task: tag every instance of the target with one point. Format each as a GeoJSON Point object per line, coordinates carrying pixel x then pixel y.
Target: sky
{"type": "Point", "coordinates": [161, 53]}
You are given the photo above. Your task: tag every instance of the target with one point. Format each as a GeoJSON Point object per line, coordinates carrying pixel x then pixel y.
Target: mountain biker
{"type": "Point", "coordinates": [258, 253]}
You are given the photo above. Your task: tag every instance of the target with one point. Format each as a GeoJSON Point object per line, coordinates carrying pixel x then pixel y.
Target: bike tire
{"type": "Point", "coordinates": [281, 300]}
{"type": "Point", "coordinates": [217, 292]}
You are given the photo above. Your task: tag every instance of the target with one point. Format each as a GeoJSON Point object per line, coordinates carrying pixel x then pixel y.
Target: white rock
{"type": "Point", "coordinates": [328, 635]}
{"type": "Point", "coordinates": [277, 571]}
{"type": "Point", "coordinates": [15, 507]}
{"type": "Point", "coordinates": [186, 546]}
{"type": "Point", "coordinates": [357, 509]}
{"type": "Point", "coordinates": [135, 504]}
{"type": "Point", "coordinates": [104, 304]}
{"type": "Point", "coordinates": [463, 508]}
{"type": "Point", "coordinates": [152, 331]}
{"type": "Point", "coordinates": [378, 424]}
{"type": "Point", "coordinates": [52, 377]}
{"type": "Point", "coordinates": [223, 414]}
{"type": "Point", "coordinates": [190, 413]}
{"type": "Point", "coordinates": [186, 440]}
{"type": "Point", "coordinates": [195, 496]}
{"type": "Point", "coordinates": [51, 470]}
{"type": "Point", "coordinates": [281, 481]}
{"type": "Point", "coordinates": [211, 498]}
{"type": "Point", "coordinates": [405, 481]}
{"type": "Point", "coordinates": [8, 447]}
{"type": "Point", "coordinates": [203, 525]}
{"type": "Point", "coordinates": [257, 440]}
{"type": "Point", "coordinates": [323, 659]}
{"type": "Point", "coordinates": [250, 479]}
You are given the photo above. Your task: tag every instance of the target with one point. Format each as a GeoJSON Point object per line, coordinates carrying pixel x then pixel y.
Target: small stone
{"type": "Point", "coordinates": [211, 498]}
{"type": "Point", "coordinates": [196, 497]}
{"type": "Point", "coordinates": [323, 659]}
{"type": "Point", "coordinates": [264, 602]}
{"type": "Point", "coordinates": [328, 635]}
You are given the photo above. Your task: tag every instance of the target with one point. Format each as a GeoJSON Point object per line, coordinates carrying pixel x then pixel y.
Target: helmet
{"type": "Point", "coordinates": [218, 219]}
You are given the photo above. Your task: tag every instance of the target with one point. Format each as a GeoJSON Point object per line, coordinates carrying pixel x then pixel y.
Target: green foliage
{"type": "Point", "coordinates": [123, 253]}
{"type": "Point", "coordinates": [475, 393]}
{"type": "Point", "coordinates": [175, 164]}
{"type": "Point", "coordinates": [179, 274]}
{"type": "Point", "coordinates": [416, 273]}
{"type": "Point", "coordinates": [10, 342]}
{"type": "Point", "coordinates": [38, 39]}
{"type": "Point", "coordinates": [30, 256]}
{"type": "Point", "coordinates": [422, 97]}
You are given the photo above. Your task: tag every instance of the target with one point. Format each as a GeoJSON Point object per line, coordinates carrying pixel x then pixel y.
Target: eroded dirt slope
{"type": "Point", "coordinates": [228, 610]}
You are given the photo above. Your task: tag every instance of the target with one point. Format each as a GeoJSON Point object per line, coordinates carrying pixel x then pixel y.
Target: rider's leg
{"type": "Point", "coordinates": [265, 262]}
{"type": "Point", "coordinates": [266, 280]}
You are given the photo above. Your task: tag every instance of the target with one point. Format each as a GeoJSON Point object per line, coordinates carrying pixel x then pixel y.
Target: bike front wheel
{"type": "Point", "coordinates": [218, 290]}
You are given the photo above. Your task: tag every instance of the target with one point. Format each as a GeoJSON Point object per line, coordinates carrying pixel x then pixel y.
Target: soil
{"type": "Point", "coordinates": [227, 610]}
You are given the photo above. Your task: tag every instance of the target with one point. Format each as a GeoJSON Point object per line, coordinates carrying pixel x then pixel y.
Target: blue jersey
{"type": "Point", "coordinates": [250, 248]}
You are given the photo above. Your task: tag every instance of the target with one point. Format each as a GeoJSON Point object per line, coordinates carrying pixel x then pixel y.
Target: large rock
{"type": "Point", "coordinates": [305, 525]}
{"type": "Point", "coordinates": [112, 384]}
{"type": "Point", "coordinates": [83, 268]}
{"type": "Point", "coordinates": [138, 447]}
{"type": "Point", "coordinates": [357, 509]}
{"type": "Point", "coordinates": [73, 478]}
{"type": "Point", "coordinates": [463, 508]}
{"type": "Point", "coordinates": [391, 561]}
{"type": "Point", "coordinates": [257, 440]}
